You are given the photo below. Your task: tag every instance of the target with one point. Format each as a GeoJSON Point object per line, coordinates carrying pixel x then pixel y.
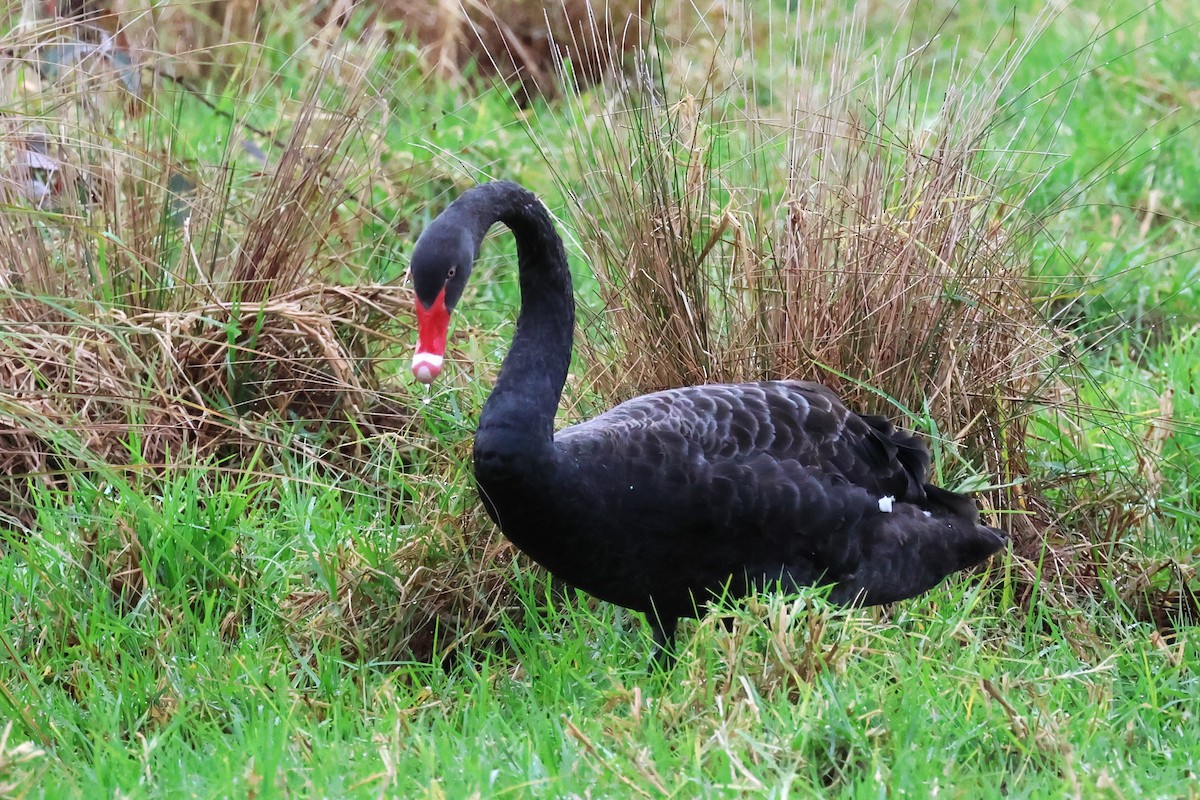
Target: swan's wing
{"type": "Point", "coordinates": [736, 423]}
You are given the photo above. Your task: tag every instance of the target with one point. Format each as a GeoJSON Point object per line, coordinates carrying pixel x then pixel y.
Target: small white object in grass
{"type": "Point", "coordinates": [885, 503]}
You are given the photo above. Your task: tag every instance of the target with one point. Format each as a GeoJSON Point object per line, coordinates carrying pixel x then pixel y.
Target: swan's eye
{"type": "Point", "coordinates": [450, 273]}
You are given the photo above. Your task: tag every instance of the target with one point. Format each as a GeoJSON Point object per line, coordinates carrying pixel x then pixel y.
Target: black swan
{"type": "Point", "coordinates": [672, 498]}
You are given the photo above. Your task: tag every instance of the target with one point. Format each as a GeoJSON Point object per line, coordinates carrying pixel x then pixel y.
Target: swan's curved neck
{"type": "Point", "coordinates": [518, 417]}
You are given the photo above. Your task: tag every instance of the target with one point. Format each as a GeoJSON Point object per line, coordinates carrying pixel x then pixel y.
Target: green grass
{"type": "Point", "coordinates": [200, 687]}
{"type": "Point", "coordinates": [231, 630]}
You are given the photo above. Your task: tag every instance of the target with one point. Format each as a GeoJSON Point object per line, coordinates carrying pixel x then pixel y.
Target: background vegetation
{"type": "Point", "coordinates": [240, 551]}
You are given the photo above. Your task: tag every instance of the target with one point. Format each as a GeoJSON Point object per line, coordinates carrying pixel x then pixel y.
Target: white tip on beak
{"type": "Point", "coordinates": [426, 367]}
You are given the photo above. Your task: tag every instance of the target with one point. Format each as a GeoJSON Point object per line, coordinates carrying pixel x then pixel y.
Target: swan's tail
{"type": "Point", "coordinates": [910, 550]}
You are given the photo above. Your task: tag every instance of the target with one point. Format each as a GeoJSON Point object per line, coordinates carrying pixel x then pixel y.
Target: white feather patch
{"type": "Point", "coordinates": [885, 503]}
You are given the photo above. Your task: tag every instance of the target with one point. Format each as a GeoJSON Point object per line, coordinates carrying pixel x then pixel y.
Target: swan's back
{"type": "Point", "coordinates": [784, 421]}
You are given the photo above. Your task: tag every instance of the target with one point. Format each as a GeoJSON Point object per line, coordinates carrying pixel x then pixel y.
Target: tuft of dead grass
{"type": "Point", "coordinates": [157, 310]}
{"type": "Point", "coordinates": [438, 594]}
{"type": "Point", "coordinates": [159, 388]}
{"type": "Point", "coordinates": [531, 45]}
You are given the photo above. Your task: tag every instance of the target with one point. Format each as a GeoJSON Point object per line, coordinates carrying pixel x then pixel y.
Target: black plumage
{"type": "Point", "coordinates": [671, 498]}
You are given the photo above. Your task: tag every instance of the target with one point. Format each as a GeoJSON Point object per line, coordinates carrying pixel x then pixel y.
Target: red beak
{"type": "Point", "coordinates": [432, 325]}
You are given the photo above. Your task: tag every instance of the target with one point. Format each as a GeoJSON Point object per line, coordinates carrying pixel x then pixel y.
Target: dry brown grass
{"type": "Point", "coordinates": [158, 311]}
{"type": "Point", "coordinates": [870, 239]}
{"type": "Point", "coordinates": [439, 592]}
{"type": "Point", "coordinates": [167, 387]}
{"type": "Point", "coordinates": [527, 44]}
{"type": "Point", "coordinates": [533, 46]}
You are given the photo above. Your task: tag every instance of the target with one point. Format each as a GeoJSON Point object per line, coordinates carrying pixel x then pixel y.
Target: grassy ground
{"type": "Point", "coordinates": [242, 626]}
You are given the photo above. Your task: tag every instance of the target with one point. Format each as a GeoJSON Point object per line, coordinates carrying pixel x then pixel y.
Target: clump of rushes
{"type": "Point", "coordinates": [175, 282]}
{"type": "Point", "coordinates": [862, 227]}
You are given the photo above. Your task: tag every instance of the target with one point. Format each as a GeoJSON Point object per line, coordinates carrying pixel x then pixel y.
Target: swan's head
{"type": "Point", "coordinates": [441, 264]}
